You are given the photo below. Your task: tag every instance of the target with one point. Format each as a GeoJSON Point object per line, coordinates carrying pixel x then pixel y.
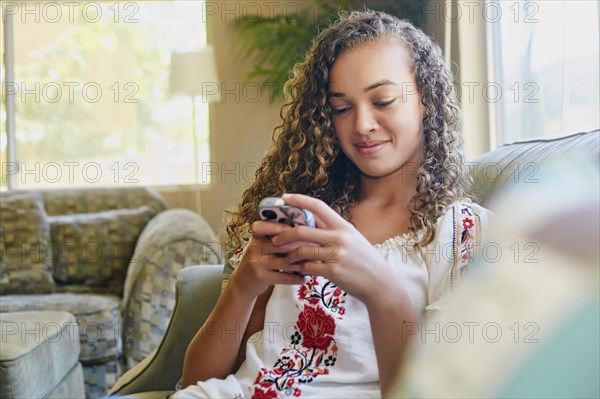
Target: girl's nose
{"type": "Point", "coordinates": [364, 121]}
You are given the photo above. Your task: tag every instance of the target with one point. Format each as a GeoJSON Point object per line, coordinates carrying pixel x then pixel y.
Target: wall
{"type": "Point", "coordinates": [241, 124]}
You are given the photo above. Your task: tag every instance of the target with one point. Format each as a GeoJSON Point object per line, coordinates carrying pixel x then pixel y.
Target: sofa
{"type": "Point", "coordinates": [198, 288]}
{"type": "Point", "coordinates": [110, 257]}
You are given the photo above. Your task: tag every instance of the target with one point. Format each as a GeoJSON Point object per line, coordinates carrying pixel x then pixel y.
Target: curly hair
{"type": "Point", "coordinates": [305, 156]}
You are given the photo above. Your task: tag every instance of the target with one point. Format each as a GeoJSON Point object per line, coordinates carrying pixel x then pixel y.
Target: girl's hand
{"type": "Point", "coordinates": [264, 263]}
{"type": "Point", "coordinates": [337, 251]}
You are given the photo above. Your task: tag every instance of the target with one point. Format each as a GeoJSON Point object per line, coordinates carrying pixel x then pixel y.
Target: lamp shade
{"type": "Point", "coordinates": [195, 74]}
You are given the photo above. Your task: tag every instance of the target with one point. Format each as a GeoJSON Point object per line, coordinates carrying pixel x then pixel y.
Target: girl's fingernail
{"type": "Point", "coordinates": [274, 240]}
{"type": "Point", "coordinates": [284, 196]}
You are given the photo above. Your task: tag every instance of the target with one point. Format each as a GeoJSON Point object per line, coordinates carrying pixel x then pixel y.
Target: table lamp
{"type": "Point", "coordinates": [195, 74]}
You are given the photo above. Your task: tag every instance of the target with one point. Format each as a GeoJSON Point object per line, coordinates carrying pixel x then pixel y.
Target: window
{"type": "Point", "coordinates": [90, 90]}
{"type": "Point", "coordinates": [546, 63]}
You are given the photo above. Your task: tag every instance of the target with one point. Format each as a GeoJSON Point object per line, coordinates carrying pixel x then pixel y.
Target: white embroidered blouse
{"type": "Point", "coordinates": [316, 340]}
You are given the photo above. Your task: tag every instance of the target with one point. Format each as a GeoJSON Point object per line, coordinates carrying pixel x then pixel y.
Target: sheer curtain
{"type": "Point", "coordinates": [523, 68]}
{"type": "Point", "coordinates": [545, 62]}
{"type": "Point", "coordinates": [460, 29]}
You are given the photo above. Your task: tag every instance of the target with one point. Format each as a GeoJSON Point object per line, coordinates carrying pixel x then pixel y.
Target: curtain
{"type": "Point", "coordinates": [547, 67]}
{"type": "Point", "coordinates": [523, 69]}
{"type": "Point", "coordinates": [460, 29]}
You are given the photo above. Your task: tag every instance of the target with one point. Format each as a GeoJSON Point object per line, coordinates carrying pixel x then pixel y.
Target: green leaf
{"type": "Point", "coordinates": [275, 44]}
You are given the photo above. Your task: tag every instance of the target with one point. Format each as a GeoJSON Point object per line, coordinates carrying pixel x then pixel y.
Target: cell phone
{"type": "Point", "coordinates": [274, 209]}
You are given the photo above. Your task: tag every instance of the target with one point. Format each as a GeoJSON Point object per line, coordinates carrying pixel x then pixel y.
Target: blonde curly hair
{"type": "Point", "coordinates": [305, 156]}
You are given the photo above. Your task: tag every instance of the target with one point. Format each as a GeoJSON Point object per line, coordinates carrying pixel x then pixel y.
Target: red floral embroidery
{"type": "Point", "coordinates": [312, 347]}
{"type": "Point", "coordinates": [303, 291]}
{"type": "Point", "coordinates": [468, 223]}
{"type": "Point", "coordinates": [465, 245]}
{"type": "Point", "coordinates": [316, 327]}
{"type": "Point", "coordinates": [327, 294]}
{"type": "Point", "coordinates": [467, 235]}
{"type": "Point", "coordinates": [260, 393]}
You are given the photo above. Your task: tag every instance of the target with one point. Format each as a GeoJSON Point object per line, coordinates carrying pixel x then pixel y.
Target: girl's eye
{"type": "Point", "coordinates": [385, 103]}
{"type": "Point", "coordinates": [338, 111]}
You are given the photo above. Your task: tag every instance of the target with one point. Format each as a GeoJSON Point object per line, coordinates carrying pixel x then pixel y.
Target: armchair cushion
{"type": "Point", "coordinates": [72, 201]}
{"type": "Point", "coordinates": [25, 250]}
{"type": "Point", "coordinates": [99, 321]}
{"type": "Point", "coordinates": [95, 248]}
{"type": "Point", "coordinates": [39, 352]}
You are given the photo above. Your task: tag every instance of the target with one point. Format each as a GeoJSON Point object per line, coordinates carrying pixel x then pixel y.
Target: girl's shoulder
{"type": "Point", "coordinates": [468, 204]}
{"type": "Point", "coordinates": [460, 230]}
{"type": "Point", "coordinates": [459, 235]}
{"type": "Point", "coordinates": [463, 214]}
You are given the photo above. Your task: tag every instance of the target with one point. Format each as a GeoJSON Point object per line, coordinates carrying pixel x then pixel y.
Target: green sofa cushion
{"type": "Point", "coordinates": [95, 248]}
{"type": "Point", "coordinates": [25, 248]}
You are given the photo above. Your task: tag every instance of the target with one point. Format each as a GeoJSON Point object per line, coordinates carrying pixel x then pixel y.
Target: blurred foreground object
{"type": "Point", "coordinates": [527, 325]}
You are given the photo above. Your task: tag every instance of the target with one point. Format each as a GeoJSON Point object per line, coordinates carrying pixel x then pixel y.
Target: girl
{"type": "Point", "coordinates": [370, 144]}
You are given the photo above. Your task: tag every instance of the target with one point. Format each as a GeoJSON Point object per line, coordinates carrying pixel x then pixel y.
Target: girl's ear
{"type": "Point", "coordinates": [424, 110]}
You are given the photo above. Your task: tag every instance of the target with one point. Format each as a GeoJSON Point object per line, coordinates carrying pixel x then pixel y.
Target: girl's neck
{"type": "Point", "coordinates": [382, 209]}
{"type": "Point", "coordinates": [393, 190]}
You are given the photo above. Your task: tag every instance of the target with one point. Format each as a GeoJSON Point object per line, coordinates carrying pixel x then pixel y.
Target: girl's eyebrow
{"type": "Point", "coordinates": [375, 85]}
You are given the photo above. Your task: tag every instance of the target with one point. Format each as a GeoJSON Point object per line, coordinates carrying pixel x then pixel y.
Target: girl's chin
{"type": "Point", "coordinates": [373, 173]}
{"type": "Point", "coordinates": [403, 172]}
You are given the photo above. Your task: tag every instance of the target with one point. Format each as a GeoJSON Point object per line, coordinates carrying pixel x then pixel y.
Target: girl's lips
{"type": "Point", "coordinates": [369, 147]}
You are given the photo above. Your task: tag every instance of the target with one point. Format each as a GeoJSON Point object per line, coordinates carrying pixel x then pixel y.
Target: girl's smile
{"type": "Point", "coordinates": [370, 147]}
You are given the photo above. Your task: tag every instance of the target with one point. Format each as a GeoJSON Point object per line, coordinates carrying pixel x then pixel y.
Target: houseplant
{"type": "Point", "coordinates": [274, 43]}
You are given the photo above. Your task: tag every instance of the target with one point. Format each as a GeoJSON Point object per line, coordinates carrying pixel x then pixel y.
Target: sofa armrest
{"type": "Point", "coordinates": [198, 289]}
{"type": "Point", "coordinates": [173, 240]}
{"type": "Point", "coordinates": [522, 162]}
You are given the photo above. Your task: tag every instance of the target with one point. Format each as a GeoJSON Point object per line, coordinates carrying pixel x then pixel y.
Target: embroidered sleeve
{"type": "Point", "coordinates": [456, 250]}
{"type": "Point", "coordinates": [467, 237]}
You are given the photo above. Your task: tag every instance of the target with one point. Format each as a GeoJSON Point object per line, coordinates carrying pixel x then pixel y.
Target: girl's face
{"type": "Point", "coordinates": [377, 110]}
